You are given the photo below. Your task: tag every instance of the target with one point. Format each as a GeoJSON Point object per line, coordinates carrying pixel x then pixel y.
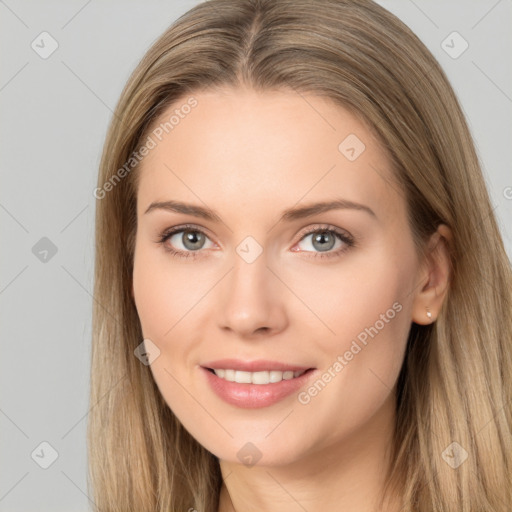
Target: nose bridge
{"type": "Point", "coordinates": [251, 299]}
{"type": "Point", "coordinates": [250, 272]}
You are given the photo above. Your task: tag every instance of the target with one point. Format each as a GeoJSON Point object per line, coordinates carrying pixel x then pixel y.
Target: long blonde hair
{"type": "Point", "coordinates": [456, 381]}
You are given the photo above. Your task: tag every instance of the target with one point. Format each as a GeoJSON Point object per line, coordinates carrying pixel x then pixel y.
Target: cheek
{"type": "Point", "coordinates": [369, 287]}
{"type": "Point", "coordinates": [152, 299]}
{"type": "Point", "coordinates": [163, 294]}
{"type": "Point", "coordinates": [378, 318]}
{"type": "Point", "coordinates": [366, 305]}
{"type": "Point", "coordinates": [170, 301]}
{"type": "Point", "coordinates": [164, 301]}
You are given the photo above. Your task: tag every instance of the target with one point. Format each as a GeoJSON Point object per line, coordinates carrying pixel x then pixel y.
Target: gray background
{"type": "Point", "coordinates": [55, 113]}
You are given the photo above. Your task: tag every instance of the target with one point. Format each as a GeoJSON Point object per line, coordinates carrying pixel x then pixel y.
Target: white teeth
{"type": "Point", "coordinates": [260, 378]}
{"type": "Point", "coordinates": [243, 377]}
{"type": "Point", "coordinates": [276, 376]}
{"type": "Point", "coordinates": [264, 377]}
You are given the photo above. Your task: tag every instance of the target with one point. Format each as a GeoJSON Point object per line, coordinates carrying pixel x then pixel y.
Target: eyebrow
{"type": "Point", "coordinates": [289, 215]}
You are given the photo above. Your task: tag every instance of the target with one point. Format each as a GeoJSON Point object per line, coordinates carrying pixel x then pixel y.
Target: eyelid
{"type": "Point", "coordinates": [323, 227]}
{"type": "Point", "coordinates": [167, 233]}
{"type": "Point", "coordinates": [305, 231]}
{"type": "Point", "coordinates": [184, 227]}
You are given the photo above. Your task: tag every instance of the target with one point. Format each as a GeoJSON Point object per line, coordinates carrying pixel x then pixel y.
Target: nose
{"type": "Point", "coordinates": [251, 300]}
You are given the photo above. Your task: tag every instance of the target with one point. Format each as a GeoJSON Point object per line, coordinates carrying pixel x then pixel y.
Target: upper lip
{"type": "Point", "coordinates": [253, 366]}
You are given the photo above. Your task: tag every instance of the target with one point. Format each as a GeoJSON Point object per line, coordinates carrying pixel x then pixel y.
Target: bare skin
{"type": "Point", "coordinates": [249, 156]}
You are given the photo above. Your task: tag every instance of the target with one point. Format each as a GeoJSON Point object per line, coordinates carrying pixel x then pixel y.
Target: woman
{"type": "Point", "coordinates": [302, 296]}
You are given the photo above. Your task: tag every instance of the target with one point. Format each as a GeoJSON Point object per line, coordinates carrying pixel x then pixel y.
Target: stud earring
{"type": "Point", "coordinates": [429, 314]}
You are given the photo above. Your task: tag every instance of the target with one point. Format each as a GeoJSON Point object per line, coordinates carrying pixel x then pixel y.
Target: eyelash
{"type": "Point", "coordinates": [348, 240]}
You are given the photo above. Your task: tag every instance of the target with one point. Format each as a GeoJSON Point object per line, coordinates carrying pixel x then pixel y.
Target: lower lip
{"type": "Point", "coordinates": [252, 396]}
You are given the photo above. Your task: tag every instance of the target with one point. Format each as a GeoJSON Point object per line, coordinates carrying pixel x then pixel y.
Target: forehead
{"type": "Point", "coordinates": [254, 149]}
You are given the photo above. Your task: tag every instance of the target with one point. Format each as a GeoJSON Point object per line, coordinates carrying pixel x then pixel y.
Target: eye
{"type": "Point", "coordinates": [323, 239]}
{"type": "Point", "coordinates": [191, 239]}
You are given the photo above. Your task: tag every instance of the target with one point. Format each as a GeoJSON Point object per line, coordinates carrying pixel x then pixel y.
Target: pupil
{"type": "Point", "coordinates": [194, 238]}
{"type": "Point", "coordinates": [321, 237]}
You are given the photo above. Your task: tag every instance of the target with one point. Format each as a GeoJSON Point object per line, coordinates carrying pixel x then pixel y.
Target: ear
{"type": "Point", "coordinates": [435, 275]}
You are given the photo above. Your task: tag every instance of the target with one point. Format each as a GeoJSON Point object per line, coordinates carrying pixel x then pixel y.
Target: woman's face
{"type": "Point", "coordinates": [252, 284]}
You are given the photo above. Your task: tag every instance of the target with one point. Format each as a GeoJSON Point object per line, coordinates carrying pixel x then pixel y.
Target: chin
{"type": "Point", "coordinates": [259, 452]}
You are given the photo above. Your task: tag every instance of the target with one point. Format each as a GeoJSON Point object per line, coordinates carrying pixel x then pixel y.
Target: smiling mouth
{"type": "Point", "coordinates": [261, 377]}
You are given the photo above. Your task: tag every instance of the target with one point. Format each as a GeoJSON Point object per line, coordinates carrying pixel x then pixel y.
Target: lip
{"type": "Point", "coordinates": [252, 366]}
{"type": "Point", "coordinates": [254, 396]}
